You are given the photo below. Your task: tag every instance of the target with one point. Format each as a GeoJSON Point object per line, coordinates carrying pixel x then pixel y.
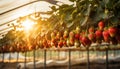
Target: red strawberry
{"type": "Point", "coordinates": [101, 25]}
{"type": "Point", "coordinates": [112, 31]}
{"type": "Point", "coordinates": [85, 41]}
{"type": "Point", "coordinates": [80, 38]}
{"type": "Point", "coordinates": [49, 43]}
{"type": "Point", "coordinates": [98, 34]}
{"type": "Point", "coordinates": [60, 44]}
{"type": "Point", "coordinates": [45, 43]}
{"type": "Point", "coordinates": [64, 43]}
{"type": "Point", "coordinates": [77, 35]}
{"type": "Point", "coordinates": [91, 30]}
{"type": "Point", "coordinates": [92, 37]}
{"type": "Point", "coordinates": [106, 36]}
{"type": "Point", "coordinates": [54, 42]}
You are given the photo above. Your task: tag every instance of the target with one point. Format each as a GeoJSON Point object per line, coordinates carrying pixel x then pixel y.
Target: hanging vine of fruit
{"type": "Point", "coordinates": [80, 24]}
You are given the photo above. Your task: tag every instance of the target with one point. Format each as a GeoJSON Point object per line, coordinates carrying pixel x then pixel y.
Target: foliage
{"type": "Point", "coordinates": [87, 12]}
{"type": "Point", "coordinates": [82, 13]}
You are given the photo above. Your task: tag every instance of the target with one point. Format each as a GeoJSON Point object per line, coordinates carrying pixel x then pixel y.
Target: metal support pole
{"type": "Point", "coordinates": [9, 57]}
{"type": "Point", "coordinates": [88, 59]}
{"type": "Point", "coordinates": [17, 59]}
{"type": "Point", "coordinates": [82, 54]}
{"type": "Point", "coordinates": [3, 57]}
{"type": "Point", "coordinates": [34, 59]}
{"type": "Point", "coordinates": [107, 59]}
{"type": "Point", "coordinates": [65, 54]}
{"type": "Point", "coordinates": [69, 64]}
{"type": "Point", "coordinates": [25, 59]}
{"type": "Point", "coordinates": [79, 54]}
{"type": "Point", "coordinates": [45, 59]}
{"type": "Point", "coordinates": [2, 60]}
{"type": "Point", "coordinates": [58, 55]}
{"type": "Point", "coordinates": [50, 54]}
{"type": "Point", "coordinates": [114, 54]}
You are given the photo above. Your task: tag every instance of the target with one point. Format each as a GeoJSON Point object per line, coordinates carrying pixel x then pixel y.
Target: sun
{"type": "Point", "coordinates": [28, 25]}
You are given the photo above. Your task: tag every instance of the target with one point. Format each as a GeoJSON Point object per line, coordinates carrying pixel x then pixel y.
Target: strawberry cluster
{"type": "Point", "coordinates": [79, 37]}
{"type": "Point", "coordinates": [74, 38]}
{"type": "Point", "coordinates": [110, 34]}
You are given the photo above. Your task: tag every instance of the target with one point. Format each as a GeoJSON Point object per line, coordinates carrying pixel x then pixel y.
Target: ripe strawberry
{"type": "Point", "coordinates": [85, 41]}
{"type": "Point", "coordinates": [101, 25]}
{"type": "Point", "coordinates": [91, 30]}
{"type": "Point", "coordinates": [92, 37]}
{"type": "Point", "coordinates": [60, 44]}
{"type": "Point", "coordinates": [80, 38]}
{"type": "Point", "coordinates": [49, 43]}
{"type": "Point", "coordinates": [77, 35]}
{"type": "Point", "coordinates": [45, 43]}
{"type": "Point", "coordinates": [112, 31]}
{"type": "Point", "coordinates": [106, 36]}
{"type": "Point", "coordinates": [54, 42]}
{"type": "Point", "coordinates": [64, 43]}
{"type": "Point", "coordinates": [98, 34]}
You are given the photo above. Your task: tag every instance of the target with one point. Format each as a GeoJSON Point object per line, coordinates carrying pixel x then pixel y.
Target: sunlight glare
{"type": "Point", "coordinates": [27, 25]}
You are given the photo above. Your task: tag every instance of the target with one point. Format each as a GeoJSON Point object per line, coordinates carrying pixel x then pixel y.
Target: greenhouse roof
{"type": "Point", "coordinates": [13, 9]}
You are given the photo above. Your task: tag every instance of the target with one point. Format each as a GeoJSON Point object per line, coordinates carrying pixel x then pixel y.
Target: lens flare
{"type": "Point", "coordinates": [27, 25]}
